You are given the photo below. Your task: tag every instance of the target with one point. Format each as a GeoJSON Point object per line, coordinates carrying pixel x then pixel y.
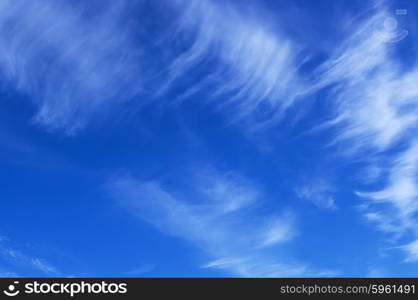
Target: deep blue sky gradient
{"type": "Point", "coordinates": [170, 123]}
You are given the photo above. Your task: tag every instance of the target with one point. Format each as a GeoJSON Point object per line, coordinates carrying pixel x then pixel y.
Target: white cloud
{"type": "Point", "coordinates": [236, 239]}
{"type": "Point", "coordinates": [377, 273]}
{"type": "Point", "coordinates": [88, 64]}
{"type": "Point", "coordinates": [255, 66]}
{"type": "Point", "coordinates": [68, 63]}
{"type": "Point", "coordinates": [19, 259]}
{"type": "Point", "coordinates": [375, 105]}
{"type": "Point", "coordinates": [402, 188]}
{"type": "Point", "coordinates": [278, 230]}
{"type": "Point", "coordinates": [411, 251]}
{"type": "Point", "coordinates": [75, 60]}
{"type": "Point", "coordinates": [394, 207]}
{"type": "Point", "coordinates": [72, 66]}
{"type": "Point", "coordinates": [43, 266]}
{"type": "Point", "coordinates": [228, 192]}
{"type": "Point", "coordinates": [319, 192]}
{"type": "Point", "coordinates": [256, 267]}
{"type": "Point", "coordinates": [370, 90]}
{"type": "Point", "coordinates": [4, 274]}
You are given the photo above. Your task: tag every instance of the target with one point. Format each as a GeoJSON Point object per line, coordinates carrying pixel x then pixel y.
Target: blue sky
{"type": "Point", "coordinates": [208, 138]}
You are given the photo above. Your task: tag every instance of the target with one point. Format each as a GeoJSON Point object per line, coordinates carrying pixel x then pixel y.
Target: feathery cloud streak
{"type": "Point", "coordinates": [377, 108]}
{"type": "Point", "coordinates": [91, 60]}
{"type": "Point", "coordinates": [90, 63]}
{"type": "Point", "coordinates": [20, 260]}
{"type": "Point", "coordinates": [69, 60]}
{"type": "Point", "coordinates": [222, 222]}
{"type": "Point", "coordinates": [256, 66]}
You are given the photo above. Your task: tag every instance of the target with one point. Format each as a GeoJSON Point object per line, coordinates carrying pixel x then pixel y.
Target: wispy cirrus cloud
{"type": "Point", "coordinates": [411, 250]}
{"type": "Point", "coordinates": [237, 240]}
{"type": "Point", "coordinates": [71, 60]}
{"type": "Point", "coordinates": [90, 59]}
{"type": "Point", "coordinates": [249, 64]}
{"type": "Point", "coordinates": [5, 274]}
{"type": "Point", "coordinates": [90, 63]}
{"type": "Point", "coordinates": [394, 208]}
{"type": "Point", "coordinates": [376, 111]}
{"type": "Point", "coordinates": [369, 94]}
{"type": "Point", "coordinates": [19, 260]}
{"type": "Point", "coordinates": [401, 190]}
